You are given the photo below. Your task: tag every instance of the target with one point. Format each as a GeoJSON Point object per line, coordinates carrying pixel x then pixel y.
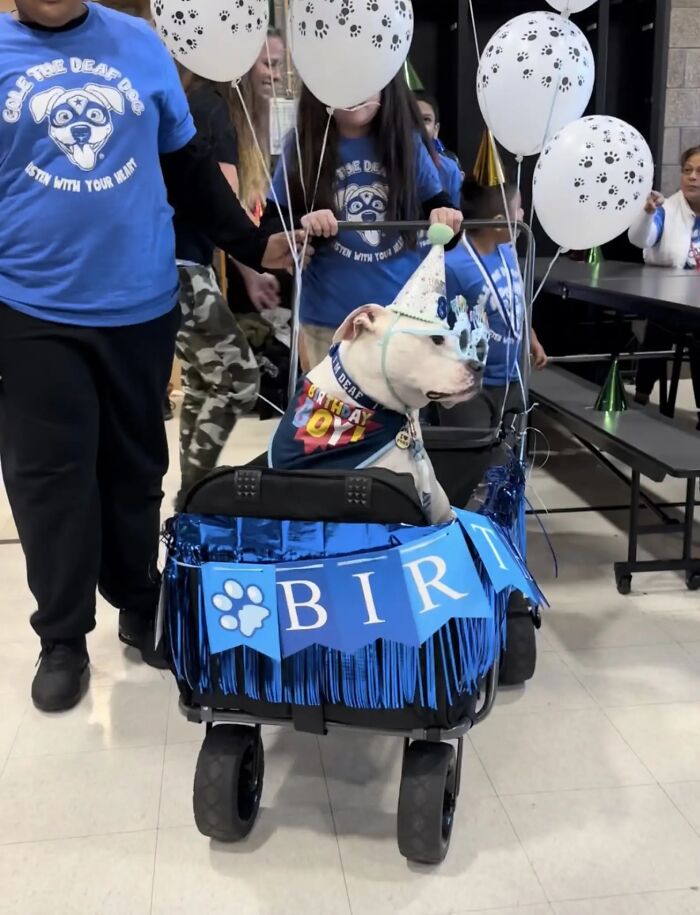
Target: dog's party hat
{"type": "Point", "coordinates": [424, 297]}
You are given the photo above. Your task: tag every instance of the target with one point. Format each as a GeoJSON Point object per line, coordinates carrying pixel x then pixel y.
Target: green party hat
{"type": "Point", "coordinates": [612, 397]}
{"type": "Point", "coordinates": [414, 81]}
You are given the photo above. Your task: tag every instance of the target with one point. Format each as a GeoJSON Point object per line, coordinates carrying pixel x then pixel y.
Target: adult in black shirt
{"type": "Point", "coordinates": [219, 372]}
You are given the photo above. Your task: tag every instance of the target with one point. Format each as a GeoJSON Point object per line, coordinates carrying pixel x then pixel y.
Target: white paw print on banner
{"type": "Point", "coordinates": [246, 617]}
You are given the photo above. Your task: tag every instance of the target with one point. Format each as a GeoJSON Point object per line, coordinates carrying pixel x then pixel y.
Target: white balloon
{"type": "Point", "coordinates": [571, 6]}
{"type": "Point", "coordinates": [535, 75]}
{"type": "Point", "coordinates": [217, 39]}
{"type": "Point", "coordinates": [591, 182]}
{"type": "Point", "coordinates": [347, 50]}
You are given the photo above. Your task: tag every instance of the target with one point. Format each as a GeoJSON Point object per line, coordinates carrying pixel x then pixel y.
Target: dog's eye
{"type": "Point", "coordinates": [62, 117]}
{"type": "Point", "coordinates": [438, 340]}
{"type": "Point", "coordinates": [96, 116]}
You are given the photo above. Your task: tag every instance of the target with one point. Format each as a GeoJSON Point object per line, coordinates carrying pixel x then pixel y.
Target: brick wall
{"type": "Point", "coordinates": [682, 120]}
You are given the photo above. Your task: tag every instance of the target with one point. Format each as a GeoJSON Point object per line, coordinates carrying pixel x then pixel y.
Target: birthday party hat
{"type": "Point", "coordinates": [488, 168]}
{"type": "Point", "coordinates": [424, 297]}
{"type": "Point", "coordinates": [414, 81]}
{"type": "Point", "coordinates": [612, 397]}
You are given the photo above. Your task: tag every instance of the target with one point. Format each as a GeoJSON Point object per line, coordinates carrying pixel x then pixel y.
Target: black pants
{"type": "Point", "coordinates": [83, 451]}
{"type": "Point", "coordinates": [657, 337]}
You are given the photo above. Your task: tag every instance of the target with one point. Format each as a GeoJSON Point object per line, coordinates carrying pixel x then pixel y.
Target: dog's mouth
{"type": "Point", "coordinates": [454, 395]}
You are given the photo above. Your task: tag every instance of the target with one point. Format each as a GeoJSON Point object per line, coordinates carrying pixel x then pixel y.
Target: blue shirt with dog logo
{"type": "Point", "coordinates": [493, 282]}
{"type": "Point", "coordinates": [359, 268]}
{"type": "Point", "coordinates": [86, 233]}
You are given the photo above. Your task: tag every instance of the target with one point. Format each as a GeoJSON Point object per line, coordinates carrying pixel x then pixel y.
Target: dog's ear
{"type": "Point", "coordinates": [111, 98]}
{"type": "Point", "coordinates": [42, 103]}
{"type": "Point", "coordinates": [364, 318]}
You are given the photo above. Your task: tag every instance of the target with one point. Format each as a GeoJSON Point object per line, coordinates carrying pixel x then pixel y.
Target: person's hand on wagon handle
{"type": "Point", "coordinates": [320, 223]}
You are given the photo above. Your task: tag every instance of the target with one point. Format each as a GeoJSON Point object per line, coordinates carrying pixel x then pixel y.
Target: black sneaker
{"type": "Point", "coordinates": [137, 631]}
{"type": "Point", "coordinates": [62, 678]}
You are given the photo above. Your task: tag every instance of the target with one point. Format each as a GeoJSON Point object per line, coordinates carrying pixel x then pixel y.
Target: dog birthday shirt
{"type": "Point", "coordinates": [326, 431]}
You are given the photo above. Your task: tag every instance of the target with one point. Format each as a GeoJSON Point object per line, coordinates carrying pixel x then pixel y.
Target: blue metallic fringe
{"type": "Point", "coordinates": [384, 675]}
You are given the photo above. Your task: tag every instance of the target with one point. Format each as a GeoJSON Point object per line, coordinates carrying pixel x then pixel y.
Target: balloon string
{"type": "Point", "coordinates": [287, 230]}
{"type": "Point", "coordinates": [546, 276]}
{"type": "Point", "coordinates": [511, 231]}
{"type": "Point", "coordinates": [296, 305]}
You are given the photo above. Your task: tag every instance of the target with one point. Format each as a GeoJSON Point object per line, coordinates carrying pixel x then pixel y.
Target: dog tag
{"type": "Point", "coordinates": [404, 439]}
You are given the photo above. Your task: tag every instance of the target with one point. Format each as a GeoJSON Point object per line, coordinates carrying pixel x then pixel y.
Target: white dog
{"type": "Point", "coordinates": [80, 120]}
{"type": "Point", "coordinates": [359, 407]}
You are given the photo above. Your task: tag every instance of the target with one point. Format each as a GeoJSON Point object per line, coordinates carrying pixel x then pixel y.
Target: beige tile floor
{"type": "Point", "coordinates": [581, 793]}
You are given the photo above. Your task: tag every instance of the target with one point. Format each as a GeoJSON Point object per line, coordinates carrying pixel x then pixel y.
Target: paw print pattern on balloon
{"type": "Point", "coordinates": [386, 22]}
{"type": "Point", "coordinates": [601, 178]}
{"type": "Point", "coordinates": [530, 35]}
{"type": "Point", "coordinates": [377, 40]}
{"type": "Point", "coordinates": [395, 42]}
{"type": "Point", "coordinates": [527, 73]}
{"type": "Point", "coordinates": [583, 198]}
{"type": "Point", "coordinates": [402, 8]}
{"type": "Point", "coordinates": [602, 204]}
{"type": "Point", "coordinates": [302, 27]}
{"type": "Point", "coordinates": [579, 182]}
{"type": "Point", "coordinates": [355, 30]}
{"type": "Point", "coordinates": [547, 50]}
{"type": "Point", "coordinates": [631, 177]}
{"type": "Point", "coordinates": [320, 29]}
{"type": "Point", "coordinates": [611, 157]}
{"type": "Point", "coordinates": [241, 608]}
{"type": "Point", "coordinates": [224, 15]}
{"type": "Point", "coordinates": [621, 204]}
{"type": "Point", "coordinates": [372, 6]}
{"type": "Point", "coordinates": [586, 162]}
{"type": "Point", "coordinates": [522, 57]}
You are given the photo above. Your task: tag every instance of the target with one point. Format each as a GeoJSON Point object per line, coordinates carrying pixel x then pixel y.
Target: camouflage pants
{"type": "Point", "coordinates": [219, 373]}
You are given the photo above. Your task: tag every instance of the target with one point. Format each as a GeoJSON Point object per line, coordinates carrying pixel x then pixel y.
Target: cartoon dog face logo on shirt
{"type": "Point", "coordinates": [366, 203]}
{"type": "Point", "coordinates": [80, 120]}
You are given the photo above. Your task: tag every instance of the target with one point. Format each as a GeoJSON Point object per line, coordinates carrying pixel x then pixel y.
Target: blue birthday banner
{"type": "Point", "coordinates": [402, 594]}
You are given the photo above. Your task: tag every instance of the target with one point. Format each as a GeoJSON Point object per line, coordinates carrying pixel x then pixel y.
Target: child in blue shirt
{"type": "Point", "coordinates": [484, 269]}
{"type": "Point", "coordinates": [450, 170]}
{"type": "Point", "coordinates": [377, 165]}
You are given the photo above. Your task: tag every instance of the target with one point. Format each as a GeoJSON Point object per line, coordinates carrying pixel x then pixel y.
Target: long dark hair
{"type": "Point", "coordinates": [394, 130]}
